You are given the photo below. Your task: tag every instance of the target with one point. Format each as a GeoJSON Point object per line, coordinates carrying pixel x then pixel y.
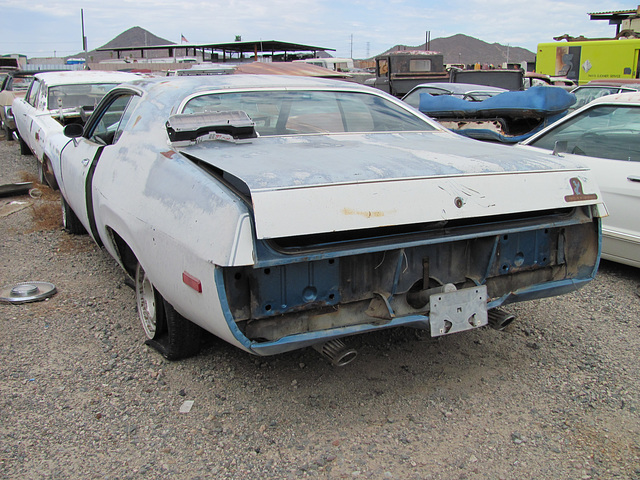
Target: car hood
{"type": "Point", "coordinates": [324, 183]}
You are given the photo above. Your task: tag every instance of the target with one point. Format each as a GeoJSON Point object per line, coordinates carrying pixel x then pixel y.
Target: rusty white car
{"type": "Point", "coordinates": [604, 135]}
{"type": "Point", "coordinates": [285, 212]}
{"type": "Point", "coordinates": [56, 99]}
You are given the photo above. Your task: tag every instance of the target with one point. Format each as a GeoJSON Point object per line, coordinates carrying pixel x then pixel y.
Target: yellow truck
{"type": "Point", "coordinates": [583, 61]}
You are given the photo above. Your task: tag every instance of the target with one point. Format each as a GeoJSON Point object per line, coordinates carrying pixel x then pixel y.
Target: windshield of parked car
{"type": "Point", "coordinates": [587, 94]}
{"type": "Point", "coordinates": [79, 95]}
{"type": "Point", "coordinates": [604, 131]}
{"type": "Point", "coordinates": [288, 112]}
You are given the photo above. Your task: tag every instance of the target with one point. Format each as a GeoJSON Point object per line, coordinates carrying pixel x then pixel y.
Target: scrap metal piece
{"type": "Point", "coordinates": [11, 189]}
{"type": "Point", "coordinates": [27, 292]}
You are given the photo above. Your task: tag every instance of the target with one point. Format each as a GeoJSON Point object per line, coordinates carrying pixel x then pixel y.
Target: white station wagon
{"type": "Point", "coordinates": [56, 99]}
{"type": "Point", "coordinates": [284, 212]}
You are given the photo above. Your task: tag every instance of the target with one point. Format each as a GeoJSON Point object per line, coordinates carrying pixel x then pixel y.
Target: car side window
{"type": "Point", "coordinates": [32, 94]}
{"type": "Point", "coordinates": [109, 127]}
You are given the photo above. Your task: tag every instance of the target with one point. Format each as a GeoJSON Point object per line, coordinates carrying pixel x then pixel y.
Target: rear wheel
{"type": "Point", "coordinates": [45, 174]}
{"type": "Point", "coordinates": [70, 220]}
{"type": "Point", "coordinates": [8, 133]}
{"type": "Point", "coordinates": [166, 330]}
{"type": "Point", "coordinates": [24, 148]}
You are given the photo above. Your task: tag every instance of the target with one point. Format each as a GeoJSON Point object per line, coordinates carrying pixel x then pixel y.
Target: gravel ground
{"type": "Point", "coordinates": [81, 396]}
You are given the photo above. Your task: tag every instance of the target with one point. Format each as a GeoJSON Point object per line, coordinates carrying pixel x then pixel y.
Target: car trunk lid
{"type": "Point", "coordinates": [310, 184]}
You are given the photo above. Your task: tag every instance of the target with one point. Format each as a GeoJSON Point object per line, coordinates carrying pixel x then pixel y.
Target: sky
{"type": "Point", "coordinates": [358, 29]}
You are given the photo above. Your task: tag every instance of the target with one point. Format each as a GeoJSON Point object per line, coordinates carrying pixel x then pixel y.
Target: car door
{"type": "Point", "coordinates": [79, 159]}
{"type": "Point", "coordinates": [24, 110]}
{"type": "Point", "coordinates": [619, 182]}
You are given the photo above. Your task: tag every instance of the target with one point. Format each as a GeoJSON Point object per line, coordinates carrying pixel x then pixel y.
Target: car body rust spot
{"type": "Point", "coordinates": [366, 214]}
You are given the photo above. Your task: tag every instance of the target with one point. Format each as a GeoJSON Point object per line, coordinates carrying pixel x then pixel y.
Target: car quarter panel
{"type": "Point", "coordinates": [179, 221]}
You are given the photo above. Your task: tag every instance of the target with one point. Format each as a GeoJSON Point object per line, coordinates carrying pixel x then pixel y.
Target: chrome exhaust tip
{"type": "Point", "coordinates": [336, 352]}
{"type": "Point", "coordinates": [499, 320]}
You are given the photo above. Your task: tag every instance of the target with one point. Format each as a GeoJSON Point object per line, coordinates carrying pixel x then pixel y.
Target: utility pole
{"type": "Point", "coordinates": [84, 42]}
{"type": "Point", "coordinates": [351, 55]}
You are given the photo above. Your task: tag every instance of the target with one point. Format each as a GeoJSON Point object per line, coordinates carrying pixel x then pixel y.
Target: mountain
{"type": "Point", "coordinates": [469, 50]}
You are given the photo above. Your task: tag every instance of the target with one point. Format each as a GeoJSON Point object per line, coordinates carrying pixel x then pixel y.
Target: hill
{"type": "Point", "coordinates": [469, 50]}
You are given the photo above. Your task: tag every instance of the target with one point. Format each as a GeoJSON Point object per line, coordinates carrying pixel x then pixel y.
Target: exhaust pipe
{"type": "Point", "coordinates": [336, 352]}
{"type": "Point", "coordinates": [499, 319]}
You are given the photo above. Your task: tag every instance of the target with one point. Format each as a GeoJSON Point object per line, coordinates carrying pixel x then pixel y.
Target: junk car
{"type": "Point", "coordinates": [14, 85]}
{"type": "Point", "coordinates": [507, 117]}
{"type": "Point", "coordinates": [604, 135]}
{"type": "Point", "coordinates": [56, 99]}
{"type": "Point", "coordinates": [284, 212]}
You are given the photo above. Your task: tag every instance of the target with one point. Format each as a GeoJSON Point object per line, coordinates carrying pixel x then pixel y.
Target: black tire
{"type": "Point", "coordinates": [183, 338]}
{"type": "Point", "coordinates": [24, 148]}
{"type": "Point", "coordinates": [166, 330]}
{"type": "Point", "coordinates": [8, 134]}
{"type": "Point", "coordinates": [70, 221]}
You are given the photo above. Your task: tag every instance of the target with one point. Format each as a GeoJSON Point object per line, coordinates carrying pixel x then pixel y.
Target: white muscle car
{"type": "Point", "coordinates": [56, 99]}
{"type": "Point", "coordinates": [284, 212]}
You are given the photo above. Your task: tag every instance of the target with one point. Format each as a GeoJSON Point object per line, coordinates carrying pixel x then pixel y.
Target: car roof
{"type": "Point", "coordinates": [186, 85]}
{"type": "Point", "coordinates": [626, 98]}
{"type": "Point", "coordinates": [71, 77]}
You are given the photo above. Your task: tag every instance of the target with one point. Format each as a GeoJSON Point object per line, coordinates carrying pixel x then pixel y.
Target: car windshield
{"type": "Point", "coordinates": [278, 112]}
{"type": "Point", "coordinates": [79, 95]}
{"type": "Point", "coordinates": [585, 95]}
{"type": "Point", "coordinates": [604, 131]}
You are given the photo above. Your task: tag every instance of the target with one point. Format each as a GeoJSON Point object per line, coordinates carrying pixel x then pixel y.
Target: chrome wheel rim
{"type": "Point", "coordinates": [146, 300]}
{"type": "Point", "coordinates": [64, 216]}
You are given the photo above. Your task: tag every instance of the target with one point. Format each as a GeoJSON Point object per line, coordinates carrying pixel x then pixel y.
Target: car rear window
{"type": "Point", "coordinates": [306, 112]}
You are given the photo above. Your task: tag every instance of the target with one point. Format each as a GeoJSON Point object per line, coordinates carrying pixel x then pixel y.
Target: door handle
{"type": "Point", "coordinates": [633, 178]}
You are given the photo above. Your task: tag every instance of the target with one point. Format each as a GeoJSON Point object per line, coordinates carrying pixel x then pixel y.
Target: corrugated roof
{"type": "Point", "coordinates": [613, 12]}
{"type": "Point", "coordinates": [247, 47]}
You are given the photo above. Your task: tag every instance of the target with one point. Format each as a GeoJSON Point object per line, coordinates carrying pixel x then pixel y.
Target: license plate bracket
{"type": "Point", "coordinates": [452, 312]}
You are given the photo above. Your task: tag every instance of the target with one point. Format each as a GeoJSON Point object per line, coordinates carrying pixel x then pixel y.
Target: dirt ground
{"type": "Point", "coordinates": [554, 396]}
